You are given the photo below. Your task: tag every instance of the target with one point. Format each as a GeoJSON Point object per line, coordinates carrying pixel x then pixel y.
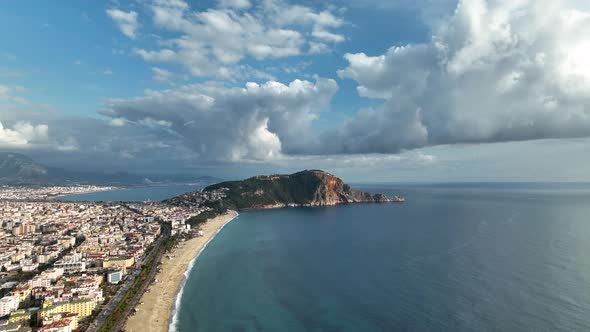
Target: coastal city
{"type": "Point", "coordinates": [294, 165]}
{"type": "Point", "coordinates": [66, 266]}
{"type": "Point", "coordinates": [46, 192]}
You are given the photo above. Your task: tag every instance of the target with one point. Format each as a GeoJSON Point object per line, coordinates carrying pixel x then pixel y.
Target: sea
{"type": "Point", "coordinates": [453, 257]}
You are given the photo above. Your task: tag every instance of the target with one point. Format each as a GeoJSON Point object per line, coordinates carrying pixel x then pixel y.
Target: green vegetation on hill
{"type": "Point", "coordinates": [217, 208]}
{"type": "Point", "coordinates": [311, 187]}
{"type": "Point", "coordinates": [298, 189]}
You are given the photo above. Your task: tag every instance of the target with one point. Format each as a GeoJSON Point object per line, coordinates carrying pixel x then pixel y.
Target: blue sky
{"type": "Point", "coordinates": [79, 56]}
{"type": "Point", "coordinates": [395, 91]}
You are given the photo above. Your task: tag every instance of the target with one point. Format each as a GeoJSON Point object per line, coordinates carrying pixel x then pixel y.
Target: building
{"type": "Point", "coordinates": [29, 266]}
{"type": "Point", "coordinates": [39, 282]}
{"type": "Point", "coordinates": [69, 317]}
{"type": "Point", "coordinates": [121, 262]}
{"type": "Point", "coordinates": [115, 276]}
{"type": "Point", "coordinates": [53, 274]}
{"type": "Point", "coordinates": [15, 327]}
{"type": "Point", "coordinates": [21, 316]}
{"type": "Point", "coordinates": [43, 258]}
{"type": "Point", "coordinates": [57, 326]}
{"type": "Point", "coordinates": [71, 267]}
{"type": "Point", "coordinates": [8, 304]}
{"type": "Point", "coordinates": [9, 285]}
{"type": "Point", "coordinates": [82, 307]}
{"type": "Point", "coordinates": [22, 229]}
{"type": "Point", "coordinates": [67, 242]}
{"type": "Point", "coordinates": [22, 291]}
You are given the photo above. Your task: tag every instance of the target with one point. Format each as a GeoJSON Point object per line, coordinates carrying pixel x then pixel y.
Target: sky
{"type": "Point", "coordinates": [373, 91]}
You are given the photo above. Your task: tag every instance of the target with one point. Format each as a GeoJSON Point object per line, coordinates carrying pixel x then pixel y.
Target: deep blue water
{"type": "Point", "coordinates": [138, 194]}
{"type": "Point", "coordinates": [479, 257]}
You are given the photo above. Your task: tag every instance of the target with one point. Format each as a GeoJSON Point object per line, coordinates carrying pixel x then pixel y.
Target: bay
{"type": "Point", "coordinates": [133, 194]}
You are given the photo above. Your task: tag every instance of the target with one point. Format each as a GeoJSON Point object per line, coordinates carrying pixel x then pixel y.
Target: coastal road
{"type": "Point", "coordinates": [135, 301]}
{"type": "Point", "coordinates": [113, 302]}
{"type": "Point", "coordinates": [116, 299]}
{"type": "Point", "coordinates": [107, 311]}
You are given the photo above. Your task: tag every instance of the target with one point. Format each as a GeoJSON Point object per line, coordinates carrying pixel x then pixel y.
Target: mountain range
{"type": "Point", "coordinates": [18, 169]}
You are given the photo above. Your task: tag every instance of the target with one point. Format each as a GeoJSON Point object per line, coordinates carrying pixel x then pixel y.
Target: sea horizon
{"type": "Point", "coordinates": [164, 191]}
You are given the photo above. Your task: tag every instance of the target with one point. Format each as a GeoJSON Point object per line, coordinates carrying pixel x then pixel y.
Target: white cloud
{"type": "Point", "coordinates": [270, 29]}
{"type": "Point", "coordinates": [318, 48]}
{"type": "Point", "coordinates": [153, 123]}
{"type": "Point", "coordinates": [117, 122]}
{"type": "Point", "coordinates": [494, 71]}
{"type": "Point", "coordinates": [23, 134]}
{"type": "Point", "coordinates": [327, 36]}
{"type": "Point", "coordinates": [68, 145]}
{"type": "Point", "coordinates": [162, 75]}
{"type": "Point", "coordinates": [256, 122]}
{"type": "Point", "coordinates": [126, 21]}
{"type": "Point", "coordinates": [424, 158]}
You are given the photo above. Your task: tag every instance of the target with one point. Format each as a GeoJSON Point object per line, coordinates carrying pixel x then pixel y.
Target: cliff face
{"type": "Point", "coordinates": [306, 188]}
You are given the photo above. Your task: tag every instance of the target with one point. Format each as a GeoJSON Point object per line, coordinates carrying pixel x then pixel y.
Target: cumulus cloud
{"type": "Point", "coordinates": [126, 21]}
{"type": "Point", "coordinates": [494, 71]}
{"type": "Point", "coordinates": [23, 134]}
{"type": "Point", "coordinates": [162, 75]}
{"type": "Point", "coordinates": [256, 122]}
{"type": "Point", "coordinates": [268, 30]}
{"type": "Point", "coordinates": [82, 143]}
{"type": "Point", "coordinates": [20, 129]}
{"type": "Point", "coordinates": [117, 122]}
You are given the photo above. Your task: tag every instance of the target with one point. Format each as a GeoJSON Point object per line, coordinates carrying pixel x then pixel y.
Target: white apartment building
{"type": "Point", "coordinates": [8, 304]}
{"type": "Point", "coordinates": [71, 267]}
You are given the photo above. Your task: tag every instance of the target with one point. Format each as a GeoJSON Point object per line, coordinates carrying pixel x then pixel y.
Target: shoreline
{"type": "Point", "coordinates": [307, 205]}
{"type": "Point", "coordinates": [56, 198]}
{"type": "Point", "coordinates": [158, 307]}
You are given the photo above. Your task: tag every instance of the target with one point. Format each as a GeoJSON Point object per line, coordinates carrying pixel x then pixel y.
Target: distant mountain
{"type": "Point", "coordinates": [305, 188]}
{"type": "Point", "coordinates": [18, 169]}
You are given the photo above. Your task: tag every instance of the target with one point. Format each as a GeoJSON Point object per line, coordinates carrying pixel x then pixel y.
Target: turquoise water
{"type": "Point", "coordinates": [477, 257]}
{"type": "Point", "coordinates": [139, 194]}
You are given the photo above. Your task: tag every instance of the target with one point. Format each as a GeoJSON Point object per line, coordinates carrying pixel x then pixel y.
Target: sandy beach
{"type": "Point", "coordinates": [156, 311]}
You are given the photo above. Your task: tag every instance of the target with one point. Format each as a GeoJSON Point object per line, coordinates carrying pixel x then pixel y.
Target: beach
{"type": "Point", "coordinates": [156, 307]}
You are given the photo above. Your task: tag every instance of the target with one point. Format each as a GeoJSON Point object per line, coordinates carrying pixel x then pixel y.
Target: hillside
{"type": "Point", "coordinates": [17, 168]}
{"type": "Point", "coordinates": [306, 188]}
